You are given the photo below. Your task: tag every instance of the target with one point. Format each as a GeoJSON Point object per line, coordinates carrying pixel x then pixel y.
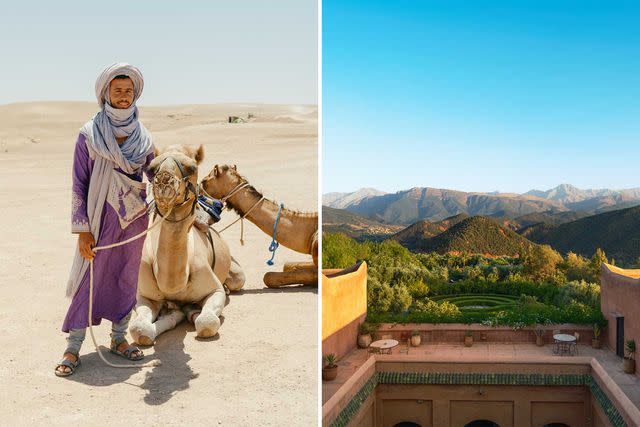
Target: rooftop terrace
{"type": "Point", "coordinates": [486, 353]}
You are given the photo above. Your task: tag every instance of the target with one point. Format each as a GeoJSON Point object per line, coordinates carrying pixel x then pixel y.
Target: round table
{"type": "Point", "coordinates": [562, 340]}
{"type": "Point", "coordinates": [383, 346]}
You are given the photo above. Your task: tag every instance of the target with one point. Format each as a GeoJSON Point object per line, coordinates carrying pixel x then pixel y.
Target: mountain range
{"type": "Point", "coordinates": [433, 204]}
{"type": "Point", "coordinates": [612, 226]}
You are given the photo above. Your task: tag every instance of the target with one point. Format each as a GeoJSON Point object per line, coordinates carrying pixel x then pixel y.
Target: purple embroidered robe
{"type": "Point", "coordinates": [115, 271]}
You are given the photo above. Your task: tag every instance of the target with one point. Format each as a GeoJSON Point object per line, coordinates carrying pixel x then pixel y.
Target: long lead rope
{"type": "Point", "coordinates": [93, 338]}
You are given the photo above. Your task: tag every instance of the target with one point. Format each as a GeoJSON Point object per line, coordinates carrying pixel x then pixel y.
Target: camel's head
{"type": "Point", "coordinates": [175, 176]}
{"type": "Point", "coordinates": [221, 180]}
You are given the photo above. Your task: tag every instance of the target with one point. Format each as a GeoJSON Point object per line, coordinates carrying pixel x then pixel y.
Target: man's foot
{"type": "Point", "coordinates": [127, 351]}
{"type": "Point", "coordinates": [67, 365]}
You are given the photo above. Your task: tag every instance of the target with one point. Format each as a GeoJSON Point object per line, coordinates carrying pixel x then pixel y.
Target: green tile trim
{"type": "Point", "coordinates": [352, 408]}
{"type": "Point", "coordinates": [456, 378]}
{"type": "Point", "coordinates": [607, 405]}
{"type": "Point", "coordinates": [446, 378]}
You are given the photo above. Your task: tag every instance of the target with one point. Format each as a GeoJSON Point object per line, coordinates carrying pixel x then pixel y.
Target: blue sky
{"type": "Point", "coordinates": [189, 52]}
{"type": "Point", "coordinates": [480, 95]}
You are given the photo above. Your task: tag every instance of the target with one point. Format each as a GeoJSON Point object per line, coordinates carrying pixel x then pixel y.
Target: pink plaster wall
{"type": "Point", "coordinates": [620, 296]}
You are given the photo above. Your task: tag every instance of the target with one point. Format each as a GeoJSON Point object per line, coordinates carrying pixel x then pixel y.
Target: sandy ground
{"type": "Point", "coordinates": [260, 370]}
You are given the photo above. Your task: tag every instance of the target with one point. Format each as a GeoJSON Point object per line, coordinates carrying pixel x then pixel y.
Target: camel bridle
{"type": "Point", "coordinates": [164, 181]}
{"type": "Point", "coordinates": [241, 186]}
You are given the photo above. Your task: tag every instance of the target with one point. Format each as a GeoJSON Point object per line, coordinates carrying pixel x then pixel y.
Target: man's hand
{"type": "Point", "coordinates": [85, 244]}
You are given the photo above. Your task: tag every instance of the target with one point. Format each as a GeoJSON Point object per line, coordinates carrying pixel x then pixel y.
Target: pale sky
{"type": "Point", "coordinates": [480, 95]}
{"type": "Point", "coordinates": [189, 52]}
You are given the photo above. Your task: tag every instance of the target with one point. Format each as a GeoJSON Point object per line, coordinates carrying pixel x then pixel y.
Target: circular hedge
{"type": "Point", "coordinates": [479, 303]}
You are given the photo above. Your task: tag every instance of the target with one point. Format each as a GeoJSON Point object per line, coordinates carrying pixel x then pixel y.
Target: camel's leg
{"type": "Point", "coordinates": [207, 322]}
{"type": "Point", "coordinates": [295, 266]}
{"type": "Point", "coordinates": [275, 279]}
{"type": "Point", "coordinates": [142, 328]}
{"type": "Point", "coordinates": [236, 278]}
{"type": "Point", "coordinates": [168, 320]}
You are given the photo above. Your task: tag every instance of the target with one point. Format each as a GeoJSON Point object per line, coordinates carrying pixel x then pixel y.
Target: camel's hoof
{"type": "Point", "coordinates": [207, 325]}
{"type": "Point", "coordinates": [205, 333]}
{"type": "Point", "coordinates": [142, 340]}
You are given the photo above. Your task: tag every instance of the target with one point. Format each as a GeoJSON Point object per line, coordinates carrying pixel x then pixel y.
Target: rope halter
{"type": "Point", "coordinates": [167, 185]}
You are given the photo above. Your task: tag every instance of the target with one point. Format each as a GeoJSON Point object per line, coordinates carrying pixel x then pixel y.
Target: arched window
{"type": "Point", "coordinates": [407, 424]}
{"type": "Point", "coordinates": [556, 425]}
{"type": "Point", "coordinates": [482, 423]}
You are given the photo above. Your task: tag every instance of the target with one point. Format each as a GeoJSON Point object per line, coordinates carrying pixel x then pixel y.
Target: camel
{"type": "Point", "coordinates": [296, 230]}
{"type": "Point", "coordinates": [183, 271]}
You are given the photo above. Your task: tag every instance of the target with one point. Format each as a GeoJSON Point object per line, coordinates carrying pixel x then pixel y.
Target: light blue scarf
{"type": "Point", "coordinates": [101, 131]}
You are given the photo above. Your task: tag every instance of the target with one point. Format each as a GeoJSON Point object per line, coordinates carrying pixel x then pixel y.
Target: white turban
{"type": "Point", "coordinates": [118, 69]}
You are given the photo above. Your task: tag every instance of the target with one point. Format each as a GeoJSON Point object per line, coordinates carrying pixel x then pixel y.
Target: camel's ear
{"type": "Point", "coordinates": [215, 170]}
{"type": "Point", "coordinates": [235, 168]}
{"type": "Point", "coordinates": [156, 152]}
{"type": "Point", "coordinates": [199, 154]}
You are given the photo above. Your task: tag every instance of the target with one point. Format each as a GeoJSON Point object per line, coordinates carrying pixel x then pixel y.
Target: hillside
{"type": "Point", "coordinates": [412, 236]}
{"type": "Point", "coordinates": [548, 217]}
{"type": "Point", "coordinates": [355, 226]}
{"type": "Point", "coordinates": [616, 232]}
{"type": "Point", "coordinates": [477, 234]}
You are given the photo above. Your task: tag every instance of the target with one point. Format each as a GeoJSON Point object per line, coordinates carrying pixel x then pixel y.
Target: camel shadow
{"type": "Point", "coordinates": [174, 373]}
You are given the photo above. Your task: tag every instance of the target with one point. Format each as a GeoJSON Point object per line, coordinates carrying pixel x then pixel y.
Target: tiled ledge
{"type": "Point", "coordinates": [586, 371]}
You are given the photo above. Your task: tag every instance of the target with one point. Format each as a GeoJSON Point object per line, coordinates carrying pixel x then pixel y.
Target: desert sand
{"type": "Point", "coordinates": [260, 370]}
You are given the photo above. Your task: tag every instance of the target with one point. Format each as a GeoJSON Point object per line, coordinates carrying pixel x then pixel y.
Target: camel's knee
{"type": "Point", "coordinates": [142, 331]}
{"type": "Point", "coordinates": [207, 324]}
{"type": "Point", "coordinates": [235, 281]}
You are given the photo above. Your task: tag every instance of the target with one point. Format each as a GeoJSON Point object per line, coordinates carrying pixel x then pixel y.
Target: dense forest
{"type": "Point", "coordinates": [541, 285]}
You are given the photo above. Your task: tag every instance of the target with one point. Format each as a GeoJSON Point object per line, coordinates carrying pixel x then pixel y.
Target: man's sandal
{"type": "Point", "coordinates": [128, 352]}
{"type": "Point", "coordinates": [69, 364]}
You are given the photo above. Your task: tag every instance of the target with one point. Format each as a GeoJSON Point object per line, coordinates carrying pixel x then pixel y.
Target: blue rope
{"type": "Point", "coordinates": [274, 243]}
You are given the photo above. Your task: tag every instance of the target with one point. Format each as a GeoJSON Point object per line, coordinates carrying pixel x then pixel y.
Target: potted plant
{"type": "Point", "coordinates": [629, 363]}
{"type": "Point", "coordinates": [468, 339]}
{"type": "Point", "coordinates": [330, 370]}
{"type": "Point", "coordinates": [539, 331]}
{"type": "Point", "coordinates": [415, 338]}
{"type": "Point", "coordinates": [595, 342]}
{"type": "Point", "coordinates": [364, 335]}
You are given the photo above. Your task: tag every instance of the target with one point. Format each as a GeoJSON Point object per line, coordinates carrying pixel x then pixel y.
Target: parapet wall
{"type": "Point", "coordinates": [344, 307]}
{"type": "Point", "coordinates": [388, 389]}
{"type": "Point", "coordinates": [454, 332]}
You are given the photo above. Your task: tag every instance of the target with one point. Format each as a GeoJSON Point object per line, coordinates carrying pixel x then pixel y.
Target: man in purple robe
{"type": "Point", "coordinates": [108, 203]}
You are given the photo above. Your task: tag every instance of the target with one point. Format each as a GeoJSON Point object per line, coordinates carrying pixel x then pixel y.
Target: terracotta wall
{"type": "Point", "coordinates": [508, 406]}
{"type": "Point", "coordinates": [620, 296]}
{"type": "Point", "coordinates": [344, 307]}
{"type": "Point", "coordinates": [454, 332]}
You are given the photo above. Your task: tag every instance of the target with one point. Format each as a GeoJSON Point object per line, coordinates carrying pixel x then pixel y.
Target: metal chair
{"type": "Point", "coordinates": [574, 345]}
{"type": "Point", "coordinates": [556, 343]}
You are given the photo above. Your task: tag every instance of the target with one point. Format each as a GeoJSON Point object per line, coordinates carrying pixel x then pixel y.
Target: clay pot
{"type": "Point", "coordinates": [629, 366]}
{"type": "Point", "coordinates": [468, 341]}
{"type": "Point", "coordinates": [329, 373]}
{"type": "Point", "coordinates": [539, 341]}
{"type": "Point", "coordinates": [595, 343]}
{"type": "Point", "coordinates": [364, 340]}
{"type": "Point", "coordinates": [415, 340]}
